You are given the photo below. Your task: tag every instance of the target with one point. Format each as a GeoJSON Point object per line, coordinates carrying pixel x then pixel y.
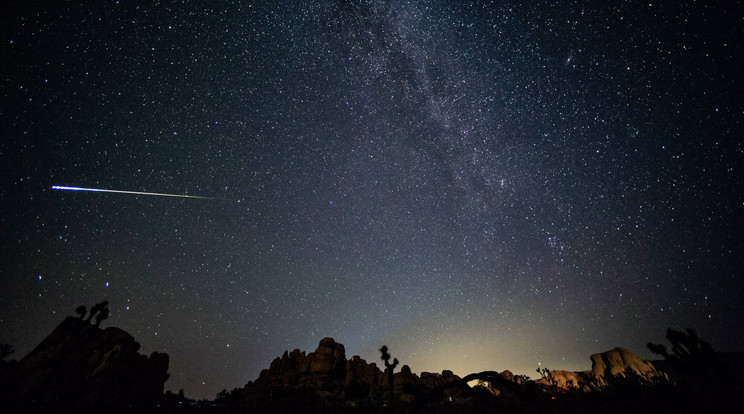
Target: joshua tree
{"type": "Point", "coordinates": [98, 307]}
{"type": "Point", "coordinates": [691, 356]}
{"type": "Point", "coordinates": [545, 373]}
{"type": "Point", "coordinates": [102, 315]}
{"type": "Point", "coordinates": [389, 368]}
{"type": "Point", "coordinates": [93, 310]}
{"type": "Point", "coordinates": [81, 310]}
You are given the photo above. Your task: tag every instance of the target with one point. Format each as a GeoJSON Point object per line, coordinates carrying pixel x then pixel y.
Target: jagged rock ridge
{"type": "Point", "coordinates": [326, 375]}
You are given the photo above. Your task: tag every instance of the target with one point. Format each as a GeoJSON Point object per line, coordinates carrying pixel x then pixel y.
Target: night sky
{"type": "Point", "coordinates": [478, 186]}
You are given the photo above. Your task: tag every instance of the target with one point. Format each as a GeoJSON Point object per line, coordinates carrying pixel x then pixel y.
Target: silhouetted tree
{"type": "Point", "coordinates": [547, 376]}
{"type": "Point", "coordinates": [98, 307]}
{"type": "Point", "coordinates": [102, 315]}
{"type": "Point", "coordinates": [81, 310]}
{"type": "Point", "coordinates": [93, 311]}
{"type": "Point", "coordinates": [689, 354]}
{"type": "Point", "coordinates": [390, 368]}
{"type": "Point", "coordinates": [704, 377]}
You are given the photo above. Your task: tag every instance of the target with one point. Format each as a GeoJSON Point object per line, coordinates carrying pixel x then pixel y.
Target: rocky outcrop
{"type": "Point", "coordinates": [606, 366]}
{"type": "Point", "coordinates": [569, 379]}
{"type": "Point", "coordinates": [619, 362]}
{"type": "Point", "coordinates": [326, 375]}
{"type": "Point", "coordinates": [325, 378]}
{"type": "Point", "coordinates": [324, 369]}
{"type": "Point", "coordinates": [433, 380]}
{"type": "Point", "coordinates": [80, 367]}
{"type": "Point", "coordinates": [358, 371]}
{"type": "Point", "coordinates": [406, 384]}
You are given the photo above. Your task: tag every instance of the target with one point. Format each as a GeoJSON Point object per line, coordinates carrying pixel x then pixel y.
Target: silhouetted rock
{"type": "Point", "coordinates": [326, 367]}
{"type": "Point", "coordinates": [327, 377]}
{"type": "Point", "coordinates": [297, 378]}
{"type": "Point", "coordinates": [433, 380]}
{"type": "Point", "coordinates": [320, 370]}
{"type": "Point", "coordinates": [325, 381]}
{"type": "Point", "coordinates": [507, 375]}
{"type": "Point", "coordinates": [406, 383]}
{"type": "Point", "coordinates": [80, 367]}
{"type": "Point", "coordinates": [358, 371]}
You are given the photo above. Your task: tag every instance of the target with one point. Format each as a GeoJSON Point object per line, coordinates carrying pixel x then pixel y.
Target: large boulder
{"type": "Point", "coordinates": [433, 380]}
{"type": "Point", "coordinates": [619, 362]}
{"type": "Point", "coordinates": [360, 372]}
{"type": "Point", "coordinates": [80, 367]}
{"type": "Point", "coordinates": [406, 382]}
{"type": "Point", "coordinates": [326, 367]}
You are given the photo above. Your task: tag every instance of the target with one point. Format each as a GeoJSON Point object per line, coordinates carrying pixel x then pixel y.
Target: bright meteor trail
{"type": "Point", "coordinates": [101, 190]}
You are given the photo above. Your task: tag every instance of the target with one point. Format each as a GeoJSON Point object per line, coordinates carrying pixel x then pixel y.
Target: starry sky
{"type": "Point", "coordinates": [478, 185]}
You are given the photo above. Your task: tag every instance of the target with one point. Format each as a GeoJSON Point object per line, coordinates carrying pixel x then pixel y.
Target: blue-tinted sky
{"type": "Point", "coordinates": [480, 186]}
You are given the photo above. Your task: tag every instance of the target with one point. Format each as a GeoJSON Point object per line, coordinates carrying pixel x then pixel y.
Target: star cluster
{"type": "Point", "coordinates": [480, 186]}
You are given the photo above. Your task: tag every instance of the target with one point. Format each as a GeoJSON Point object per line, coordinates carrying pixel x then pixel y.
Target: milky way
{"type": "Point", "coordinates": [478, 186]}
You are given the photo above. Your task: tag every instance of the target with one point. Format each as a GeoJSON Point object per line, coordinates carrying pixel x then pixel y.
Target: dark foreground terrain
{"type": "Point", "coordinates": [82, 368]}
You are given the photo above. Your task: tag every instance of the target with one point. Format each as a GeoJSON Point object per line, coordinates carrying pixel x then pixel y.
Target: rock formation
{"type": "Point", "coordinates": [80, 367]}
{"type": "Point", "coordinates": [326, 375]}
{"type": "Point", "coordinates": [324, 369]}
{"type": "Point", "coordinates": [569, 379]}
{"type": "Point", "coordinates": [619, 362]}
{"type": "Point", "coordinates": [325, 380]}
{"type": "Point", "coordinates": [433, 380]}
{"type": "Point", "coordinates": [615, 363]}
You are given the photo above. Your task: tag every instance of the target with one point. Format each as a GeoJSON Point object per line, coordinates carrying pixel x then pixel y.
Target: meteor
{"type": "Point", "coordinates": [102, 190]}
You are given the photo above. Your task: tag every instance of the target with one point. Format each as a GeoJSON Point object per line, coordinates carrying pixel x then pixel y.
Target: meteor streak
{"type": "Point", "coordinates": [101, 190]}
